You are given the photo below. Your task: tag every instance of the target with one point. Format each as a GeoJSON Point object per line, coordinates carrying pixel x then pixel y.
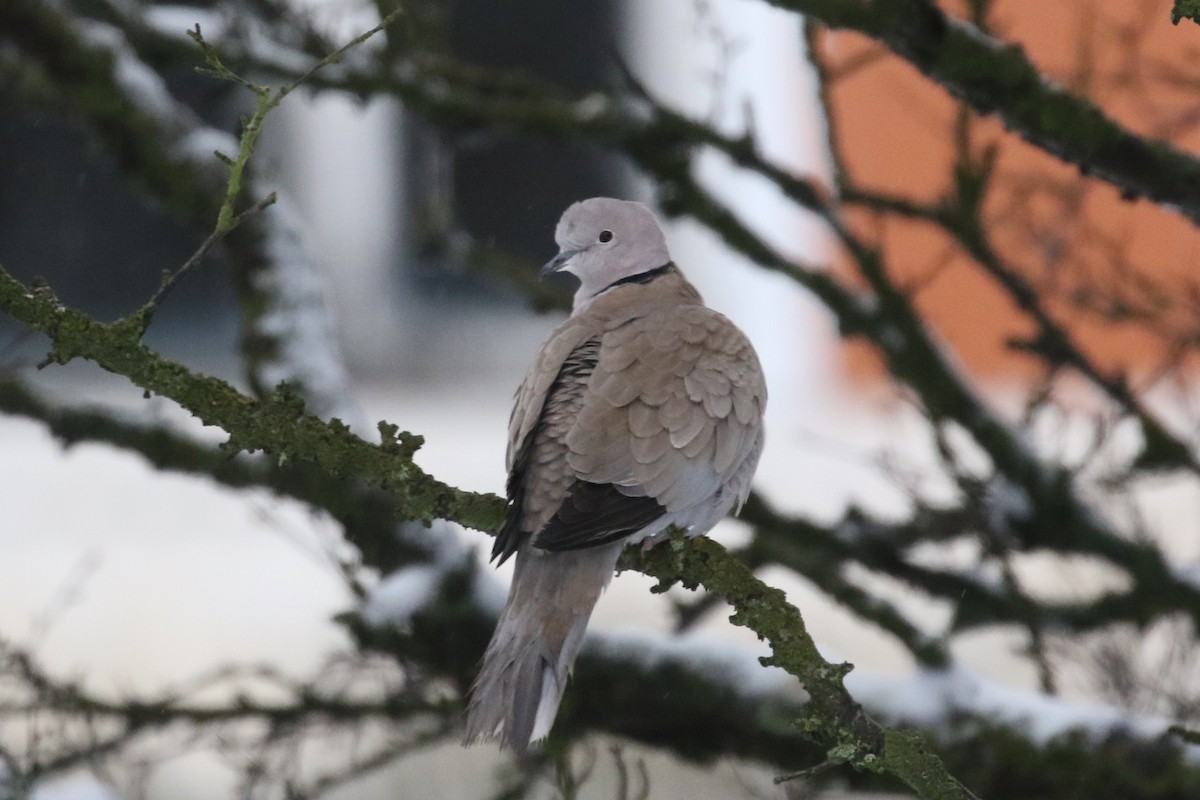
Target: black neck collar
{"type": "Point", "coordinates": [641, 277]}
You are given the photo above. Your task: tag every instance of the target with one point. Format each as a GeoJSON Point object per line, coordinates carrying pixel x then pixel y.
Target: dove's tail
{"type": "Point", "coordinates": [516, 696]}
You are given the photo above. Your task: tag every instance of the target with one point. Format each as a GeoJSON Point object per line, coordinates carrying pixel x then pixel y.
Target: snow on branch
{"type": "Point", "coordinates": [166, 148]}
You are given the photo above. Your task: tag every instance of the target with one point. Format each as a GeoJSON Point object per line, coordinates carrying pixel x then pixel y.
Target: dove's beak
{"type": "Point", "coordinates": [557, 263]}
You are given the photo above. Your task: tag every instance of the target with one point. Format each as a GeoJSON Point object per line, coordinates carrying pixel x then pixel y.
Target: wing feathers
{"type": "Point", "coordinates": [595, 514]}
{"type": "Point", "coordinates": [652, 411]}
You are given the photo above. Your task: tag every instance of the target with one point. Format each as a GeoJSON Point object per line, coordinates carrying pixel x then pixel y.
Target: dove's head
{"type": "Point", "coordinates": [602, 241]}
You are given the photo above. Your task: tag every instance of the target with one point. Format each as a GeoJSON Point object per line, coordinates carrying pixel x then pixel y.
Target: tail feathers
{"type": "Point", "coordinates": [516, 696]}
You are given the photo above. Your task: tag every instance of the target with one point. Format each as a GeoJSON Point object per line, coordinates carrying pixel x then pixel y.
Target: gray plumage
{"type": "Point", "coordinates": [641, 412]}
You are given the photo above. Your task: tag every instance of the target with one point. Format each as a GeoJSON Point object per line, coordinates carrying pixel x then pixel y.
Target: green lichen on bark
{"type": "Point", "coordinates": [276, 425]}
{"type": "Point", "coordinates": [908, 757]}
{"type": "Point", "coordinates": [831, 717]}
{"type": "Point", "coordinates": [1185, 9]}
{"type": "Point", "coordinates": [279, 426]}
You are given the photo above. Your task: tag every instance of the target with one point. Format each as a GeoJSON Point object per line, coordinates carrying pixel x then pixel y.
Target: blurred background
{"type": "Point", "coordinates": [131, 581]}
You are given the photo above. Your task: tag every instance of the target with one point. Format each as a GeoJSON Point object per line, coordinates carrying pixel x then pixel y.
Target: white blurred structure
{"type": "Point", "coordinates": [341, 160]}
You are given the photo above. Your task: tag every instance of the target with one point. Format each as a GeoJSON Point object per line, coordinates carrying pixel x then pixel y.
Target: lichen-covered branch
{"type": "Point", "coordinates": [277, 425]}
{"type": "Point", "coordinates": [1185, 9]}
{"type": "Point", "coordinates": [831, 716]}
{"type": "Point", "coordinates": [367, 514]}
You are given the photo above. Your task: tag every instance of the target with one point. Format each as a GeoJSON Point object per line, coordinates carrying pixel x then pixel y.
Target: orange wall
{"type": "Point", "coordinates": [1064, 232]}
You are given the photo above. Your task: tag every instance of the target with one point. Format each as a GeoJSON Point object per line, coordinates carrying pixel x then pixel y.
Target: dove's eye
{"type": "Point", "coordinates": [606, 236]}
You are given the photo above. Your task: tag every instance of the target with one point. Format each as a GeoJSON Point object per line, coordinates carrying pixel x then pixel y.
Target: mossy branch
{"type": "Point", "coordinates": [832, 718]}
{"type": "Point", "coordinates": [1185, 734]}
{"type": "Point", "coordinates": [279, 427]}
{"type": "Point", "coordinates": [268, 100]}
{"type": "Point", "coordinates": [143, 316]}
{"type": "Point", "coordinates": [1185, 9]}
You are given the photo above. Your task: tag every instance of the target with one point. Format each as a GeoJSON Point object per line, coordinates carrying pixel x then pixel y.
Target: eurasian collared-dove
{"type": "Point", "coordinates": [642, 411]}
